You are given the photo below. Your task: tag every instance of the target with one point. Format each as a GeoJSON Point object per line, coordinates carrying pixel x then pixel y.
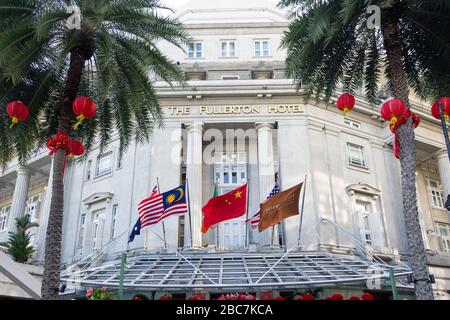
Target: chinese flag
{"type": "Point", "coordinates": [225, 207]}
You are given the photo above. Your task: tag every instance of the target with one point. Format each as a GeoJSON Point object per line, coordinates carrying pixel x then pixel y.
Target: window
{"type": "Point", "coordinates": [352, 124]}
{"type": "Point", "coordinates": [98, 218]}
{"type": "Point", "coordinates": [363, 211]}
{"type": "Point", "coordinates": [261, 48]}
{"type": "Point", "coordinates": [181, 231]}
{"type": "Point", "coordinates": [119, 160]}
{"type": "Point", "coordinates": [88, 170]}
{"type": "Point", "coordinates": [104, 165]}
{"type": "Point", "coordinates": [228, 49]}
{"type": "Point", "coordinates": [437, 194]}
{"type": "Point", "coordinates": [195, 50]}
{"type": "Point", "coordinates": [443, 230]}
{"type": "Point", "coordinates": [115, 213]}
{"type": "Point", "coordinates": [4, 215]}
{"type": "Point", "coordinates": [82, 231]}
{"type": "Point", "coordinates": [356, 155]}
{"type": "Point", "coordinates": [230, 77]}
{"type": "Point", "coordinates": [32, 208]}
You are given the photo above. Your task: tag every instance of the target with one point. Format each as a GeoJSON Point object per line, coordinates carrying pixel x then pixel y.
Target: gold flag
{"type": "Point", "coordinates": [279, 207]}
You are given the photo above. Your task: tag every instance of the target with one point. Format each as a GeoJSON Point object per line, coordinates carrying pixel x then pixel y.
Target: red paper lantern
{"type": "Point", "coordinates": [84, 108]}
{"type": "Point", "coordinates": [75, 148]}
{"type": "Point", "coordinates": [445, 102]}
{"type": "Point", "coordinates": [393, 111]}
{"type": "Point", "coordinates": [18, 111]}
{"type": "Point", "coordinates": [345, 102]}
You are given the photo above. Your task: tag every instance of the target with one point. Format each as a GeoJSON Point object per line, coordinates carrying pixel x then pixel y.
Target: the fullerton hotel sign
{"type": "Point", "coordinates": [236, 110]}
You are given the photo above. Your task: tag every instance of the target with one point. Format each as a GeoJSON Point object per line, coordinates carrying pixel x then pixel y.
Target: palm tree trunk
{"type": "Point", "coordinates": [406, 137]}
{"type": "Point", "coordinates": [51, 276]}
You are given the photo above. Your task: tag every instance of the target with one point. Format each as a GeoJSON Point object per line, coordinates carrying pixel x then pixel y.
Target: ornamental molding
{"type": "Point", "coordinates": [97, 197]}
{"type": "Point", "coordinates": [364, 189]}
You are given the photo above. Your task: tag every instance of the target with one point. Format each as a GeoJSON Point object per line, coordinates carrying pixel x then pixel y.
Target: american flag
{"type": "Point", "coordinates": [160, 206]}
{"type": "Point", "coordinates": [254, 221]}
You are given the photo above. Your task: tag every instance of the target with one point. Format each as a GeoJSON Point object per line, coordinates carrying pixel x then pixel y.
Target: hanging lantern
{"type": "Point", "coordinates": [393, 111]}
{"type": "Point", "coordinates": [84, 108]}
{"type": "Point", "coordinates": [345, 102]}
{"type": "Point", "coordinates": [18, 111]}
{"type": "Point", "coordinates": [445, 102]}
{"type": "Point", "coordinates": [75, 148]}
{"type": "Point", "coordinates": [59, 141]}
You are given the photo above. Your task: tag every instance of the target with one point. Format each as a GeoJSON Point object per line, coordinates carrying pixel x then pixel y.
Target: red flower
{"type": "Point", "coordinates": [354, 298]}
{"type": "Point", "coordinates": [137, 298]}
{"type": "Point", "coordinates": [308, 296]}
{"type": "Point", "coordinates": [279, 298]}
{"type": "Point", "coordinates": [367, 297]}
{"type": "Point", "coordinates": [166, 297]}
{"type": "Point", "coordinates": [337, 296]}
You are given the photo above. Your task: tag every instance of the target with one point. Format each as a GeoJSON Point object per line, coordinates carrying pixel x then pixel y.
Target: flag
{"type": "Point", "coordinates": [279, 207]}
{"type": "Point", "coordinates": [228, 206]}
{"type": "Point", "coordinates": [136, 230]}
{"type": "Point", "coordinates": [254, 221]}
{"type": "Point", "coordinates": [154, 191]}
{"type": "Point", "coordinates": [160, 206]}
{"type": "Point", "coordinates": [137, 226]}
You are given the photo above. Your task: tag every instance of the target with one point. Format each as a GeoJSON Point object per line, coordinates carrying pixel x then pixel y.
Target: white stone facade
{"type": "Point", "coordinates": [353, 179]}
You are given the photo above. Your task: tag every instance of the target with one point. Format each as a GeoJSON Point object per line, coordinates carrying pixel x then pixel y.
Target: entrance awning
{"type": "Point", "coordinates": [235, 271]}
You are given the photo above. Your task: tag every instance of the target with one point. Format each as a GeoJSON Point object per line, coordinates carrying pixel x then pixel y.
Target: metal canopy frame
{"type": "Point", "coordinates": [234, 271]}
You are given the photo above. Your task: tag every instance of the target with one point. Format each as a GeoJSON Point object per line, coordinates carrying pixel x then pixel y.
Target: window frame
{"type": "Point", "coordinates": [228, 50]}
{"type": "Point", "coordinates": [4, 217]}
{"type": "Point", "coordinates": [444, 238]}
{"type": "Point", "coordinates": [88, 173]}
{"type": "Point", "coordinates": [352, 124]}
{"type": "Point", "coordinates": [107, 154]}
{"type": "Point", "coordinates": [436, 194]}
{"type": "Point", "coordinates": [363, 163]}
{"type": "Point", "coordinates": [114, 218]}
{"type": "Point", "coordinates": [260, 53]}
{"type": "Point", "coordinates": [82, 231]}
{"type": "Point", "coordinates": [195, 49]}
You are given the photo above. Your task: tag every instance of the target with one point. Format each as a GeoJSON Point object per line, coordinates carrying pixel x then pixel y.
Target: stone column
{"type": "Point", "coordinates": [266, 170]}
{"type": "Point", "coordinates": [444, 172]}
{"type": "Point", "coordinates": [194, 161]}
{"type": "Point", "coordinates": [19, 197]}
{"type": "Point", "coordinates": [43, 220]}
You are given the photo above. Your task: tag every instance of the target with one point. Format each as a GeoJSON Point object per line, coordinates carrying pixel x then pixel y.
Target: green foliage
{"type": "Point", "coordinates": [329, 45]}
{"type": "Point", "coordinates": [19, 242]}
{"type": "Point", "coordinates": [122, 35]}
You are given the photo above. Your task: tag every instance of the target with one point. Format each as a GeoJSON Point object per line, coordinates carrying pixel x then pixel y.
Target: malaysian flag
{"type": "Point", "coordinates": [160, 206]}
{"type": "Point", "coordinates": [254, 221]}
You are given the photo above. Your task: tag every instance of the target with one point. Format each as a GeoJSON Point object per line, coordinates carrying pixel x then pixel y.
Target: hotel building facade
{"type": "Point", "coordinates": [240, 119]}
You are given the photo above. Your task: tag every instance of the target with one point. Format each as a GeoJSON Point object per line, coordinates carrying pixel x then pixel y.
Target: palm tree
{"type": "Point", "coordinates": [47, 59]}
{"type": "Point", "coordinates": [19, 242]}
{"type": "Point", "coordinates": [329, 43]}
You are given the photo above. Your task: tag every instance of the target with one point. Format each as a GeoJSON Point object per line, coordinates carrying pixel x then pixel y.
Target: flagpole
{"type": "Point", "coordinates": [216, 185]}
{"type": "Point", "coordinates": [189, 209]}
{"type": "Point", "coordinates": [163, 225]}
{"type": "Point", "coordinates": [247, 234]}
{"type": "Point", "coordinates": [301, 212]}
